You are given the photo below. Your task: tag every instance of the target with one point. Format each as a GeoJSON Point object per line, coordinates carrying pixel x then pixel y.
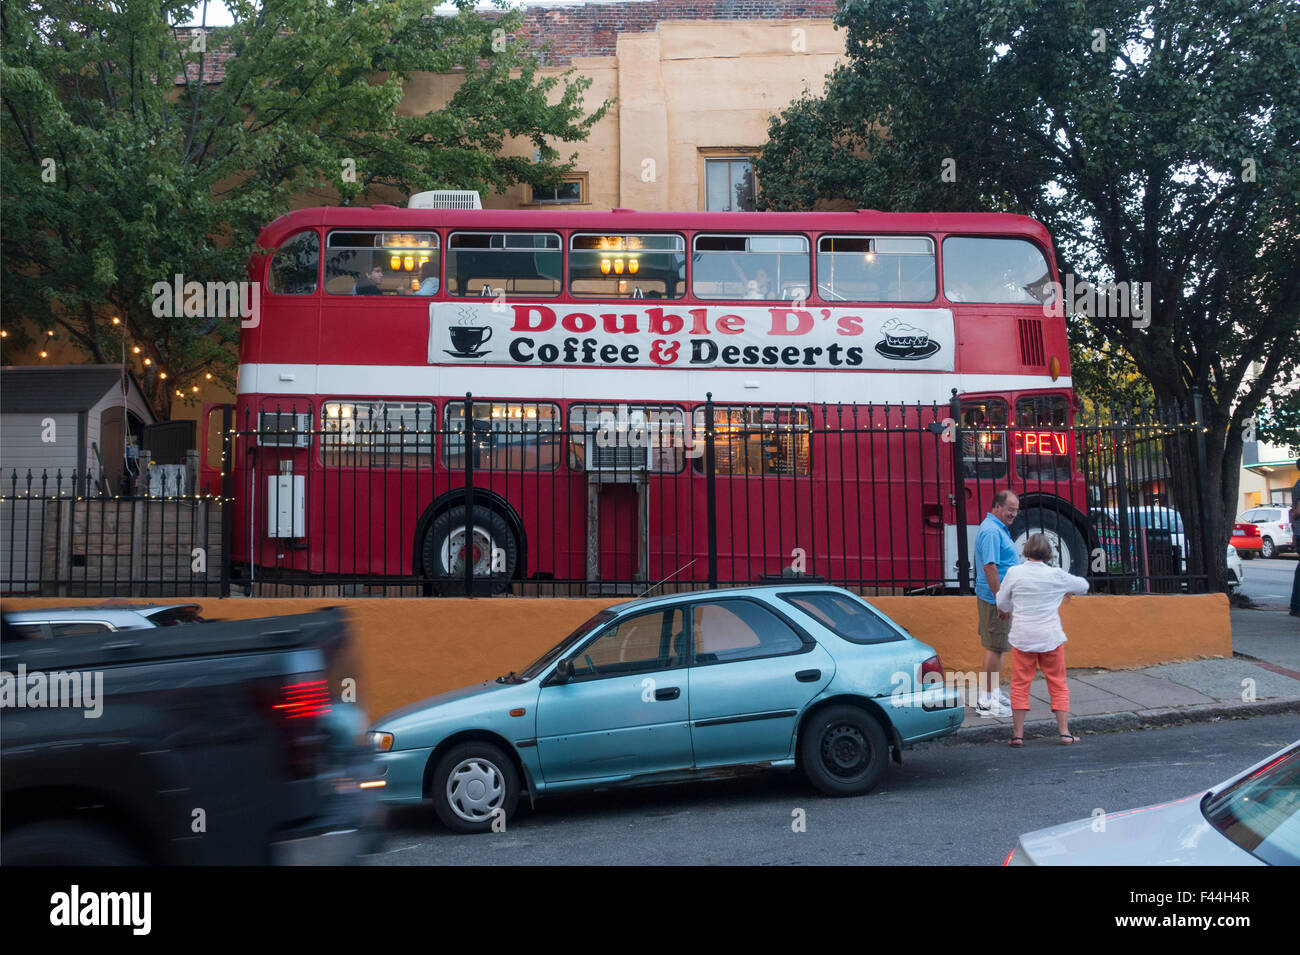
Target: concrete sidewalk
{"type": "Point", "coordinates": [1263, 676]}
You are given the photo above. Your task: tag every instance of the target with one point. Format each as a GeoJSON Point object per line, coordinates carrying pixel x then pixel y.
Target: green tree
{"type": "Point", "coordinates": [124, 162]}
{"type": "Point", "coordinates": [1158, 143]}
{"type": "Point", "coordinates": [1278, 421]}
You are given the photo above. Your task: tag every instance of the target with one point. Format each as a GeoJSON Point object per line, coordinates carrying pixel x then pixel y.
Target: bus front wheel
{"type": "Point", "coordinates": [492, 548]}
{"type": "Point", "coordinates": [1069, 550]}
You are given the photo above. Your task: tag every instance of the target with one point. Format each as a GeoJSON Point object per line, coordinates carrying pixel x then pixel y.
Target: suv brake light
{"type": "Point", "coordinates": [304, 700]}
{"type": "Point", "coordinates": [297, 706]}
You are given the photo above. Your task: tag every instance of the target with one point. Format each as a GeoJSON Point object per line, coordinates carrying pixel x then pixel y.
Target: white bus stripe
{"type": "Point", "coordinates": [626, 384]}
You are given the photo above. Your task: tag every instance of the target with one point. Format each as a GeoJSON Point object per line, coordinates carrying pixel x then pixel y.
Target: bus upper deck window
{"type": "Point", "coordinates": [294, 266]}
{"type": "Point", "coordinates": [759, 267]}
{"type": "Point", "coordinates": [381, 263]}
{"type": "Point", "coordinates": [627, 266]}
{"type": "Point", "coordinates": [860, 268]}
{"type": "Point", "coordinates": [995, 271]}
{"type": "Point", "coordinates": [488, 264]}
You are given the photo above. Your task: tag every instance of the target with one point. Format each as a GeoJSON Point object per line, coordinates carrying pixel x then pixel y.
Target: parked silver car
{"type": "Point", "coordinates": [1251, 819]}
{"type": "Point", "coordinates": [82, 621]}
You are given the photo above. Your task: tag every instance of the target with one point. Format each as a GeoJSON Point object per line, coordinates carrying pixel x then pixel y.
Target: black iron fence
{"type": "Point", "coordinates": [486, 496]}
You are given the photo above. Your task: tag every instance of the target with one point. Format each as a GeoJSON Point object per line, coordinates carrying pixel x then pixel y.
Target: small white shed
{"type": "Point", "coordinates": [68, 418]}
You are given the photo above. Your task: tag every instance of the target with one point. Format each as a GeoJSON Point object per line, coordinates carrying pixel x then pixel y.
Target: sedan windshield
{"type": "Point", "coordinates": [542, 662]}
{"type": "Point", "coordinates": [1261, 813]}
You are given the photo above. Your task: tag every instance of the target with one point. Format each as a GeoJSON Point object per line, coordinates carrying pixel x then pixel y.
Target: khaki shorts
{"type": "Point", "coordinates": [993, 632]}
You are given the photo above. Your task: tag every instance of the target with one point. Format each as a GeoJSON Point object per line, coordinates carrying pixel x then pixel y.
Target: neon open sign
{"type": "Point", "coordinates": [1040, 442]}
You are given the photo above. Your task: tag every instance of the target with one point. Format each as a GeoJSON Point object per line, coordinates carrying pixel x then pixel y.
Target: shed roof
{"type": "Point", "coordinates": [57, 388]}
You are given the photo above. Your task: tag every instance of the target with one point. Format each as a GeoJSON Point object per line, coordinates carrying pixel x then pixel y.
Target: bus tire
{"type": "Point", "coordinates": [496, 544]}
{"type": "Point", "coordinates": [1060, 530]}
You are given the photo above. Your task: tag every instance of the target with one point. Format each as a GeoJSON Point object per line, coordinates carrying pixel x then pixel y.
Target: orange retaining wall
{"type": "Point", "coordinates": [410, 648]}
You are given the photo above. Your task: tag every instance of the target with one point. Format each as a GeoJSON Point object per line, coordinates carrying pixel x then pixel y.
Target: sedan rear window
{"type": "Point", "coordinates": [1261, 812]}
{"type": "Point", "coordinates": [844, 616]}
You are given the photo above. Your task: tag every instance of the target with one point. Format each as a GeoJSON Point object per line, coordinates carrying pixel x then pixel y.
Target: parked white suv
{"type": "Point", "coordinates": [1274, 528]}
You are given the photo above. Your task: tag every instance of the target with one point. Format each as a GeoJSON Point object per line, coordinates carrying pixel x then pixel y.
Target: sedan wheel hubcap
{"type": "Point", "coordinates": [844, 750]}
{"type": "Point", "coordinates": [474, 789]}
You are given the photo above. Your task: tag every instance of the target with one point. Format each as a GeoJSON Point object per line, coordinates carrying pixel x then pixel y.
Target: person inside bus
{"type": "Point", "coordinates": [428, 278]}
{"type": "Point", "coordinates": [368, 282]}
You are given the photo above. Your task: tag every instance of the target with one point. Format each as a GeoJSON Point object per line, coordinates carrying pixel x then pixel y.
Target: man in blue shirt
{"type": "Point", "coordinates": [995, 554]}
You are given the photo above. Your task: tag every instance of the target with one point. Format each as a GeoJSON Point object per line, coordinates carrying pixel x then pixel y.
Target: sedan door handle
{"type": "Point", "coordinates": [808, 676]}
{"type": "Point", "coordinates": [668, 693]}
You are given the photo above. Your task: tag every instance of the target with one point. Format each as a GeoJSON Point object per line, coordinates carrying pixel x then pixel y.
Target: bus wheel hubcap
{"type": "Point", "coordinates": [453, 552]}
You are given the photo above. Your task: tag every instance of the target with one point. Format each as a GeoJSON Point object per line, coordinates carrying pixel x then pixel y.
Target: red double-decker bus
{"type": "Point", "coordinates": [825, 345]}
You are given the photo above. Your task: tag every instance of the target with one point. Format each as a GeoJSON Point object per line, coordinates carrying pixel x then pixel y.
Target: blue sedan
{"type": "Point", "coordinates": [681, 687]}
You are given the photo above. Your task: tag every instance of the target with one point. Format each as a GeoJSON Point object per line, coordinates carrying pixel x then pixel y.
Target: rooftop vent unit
{"type": "Point", "coordinates": [446, 199]}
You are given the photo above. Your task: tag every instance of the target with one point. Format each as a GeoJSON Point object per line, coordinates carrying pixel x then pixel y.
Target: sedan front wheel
{"type": "Point", "coordinates": [474, 786]}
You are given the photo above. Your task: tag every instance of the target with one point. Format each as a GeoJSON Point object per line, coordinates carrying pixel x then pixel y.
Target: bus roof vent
{"type": "Point", "coordinates": [446, 199]}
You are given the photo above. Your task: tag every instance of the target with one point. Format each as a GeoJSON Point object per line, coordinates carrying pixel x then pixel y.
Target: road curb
{"type": "Point", "coordinates": [1125, 721]}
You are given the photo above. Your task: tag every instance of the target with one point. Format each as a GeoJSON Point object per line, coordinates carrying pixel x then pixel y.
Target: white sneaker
{"type": "Point", "coordinates": [990, 705]}
{"type": "Point", "coordinates": [1004, 699]}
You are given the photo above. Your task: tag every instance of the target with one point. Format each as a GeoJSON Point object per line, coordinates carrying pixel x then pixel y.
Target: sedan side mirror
{"type": "Point", "coordinates": [564, 671]}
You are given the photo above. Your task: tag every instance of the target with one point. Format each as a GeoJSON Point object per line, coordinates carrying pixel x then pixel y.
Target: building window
{"type": "Point", "coordinates": [367, 434]}
{"type": "Point", "coordinates": [571, 190]}
{"type": "Point", "coordinates": [728, 184]}
{"type": "Point", "coordinates": [381, 263]}
{"type": "Point", "coordinates": [861, 268]}
{"type": "Point", "coordinates": [485, 264]}
{"type": "Point", "coordinates": [507, 436]}
{"type": "Point", "coordinates": [293, 270]}
{"type": "Point", "coordinates": [771, 267]}
{"type": "Point", "coordinates": [627, 266]}
{"type": "Point", "coordinates": [757, 440]}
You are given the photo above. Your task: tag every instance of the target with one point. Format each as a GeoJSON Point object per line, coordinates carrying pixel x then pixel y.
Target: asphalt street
{"type": "Point", "coordinates": [949, 804]}
{"type": "Point", "coordinates": [1268, 582]}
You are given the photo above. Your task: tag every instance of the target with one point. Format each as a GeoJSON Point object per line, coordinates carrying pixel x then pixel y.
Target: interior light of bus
{"type": "Point", "coordinates": [394, 262]}
{"type": "Point", "coordinates": [633, 265]}
{"type": "Point", "coordinates": [409, 262]}
{"type": "Point", "coordinates": [618, 266]}
{"type": "Point", "coordinates": [604, 266]}
{"type": "Point", "coordinates": [423, 260]}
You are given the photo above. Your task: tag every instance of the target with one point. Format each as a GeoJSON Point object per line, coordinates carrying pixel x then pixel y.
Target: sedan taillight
{"type": "Point", "coordinates": [932, 665]}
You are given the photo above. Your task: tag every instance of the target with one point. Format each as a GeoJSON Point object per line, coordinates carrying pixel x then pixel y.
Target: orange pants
{"type": "Point", "coordinates": [1023, 666]}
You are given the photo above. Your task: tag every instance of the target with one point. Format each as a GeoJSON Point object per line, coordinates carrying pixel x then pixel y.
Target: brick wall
{"type": "Point", "coordinates": [592, 29]}
{"type": "Point", "coordinates": [563, 31]}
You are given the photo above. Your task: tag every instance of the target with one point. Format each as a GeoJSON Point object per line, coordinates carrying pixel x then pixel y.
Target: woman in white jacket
{"type": "Point", "coordinates": [1032, 592]}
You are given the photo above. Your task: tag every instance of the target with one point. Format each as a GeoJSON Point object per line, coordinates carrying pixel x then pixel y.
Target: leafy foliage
{"type": "Point", "coordinates": [125, 164]}
{"type": "Point", "coordinates": [1158, 143]}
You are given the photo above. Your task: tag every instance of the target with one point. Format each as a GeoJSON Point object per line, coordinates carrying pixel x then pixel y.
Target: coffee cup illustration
{"type": "Point", "coordinates": [467, 339]}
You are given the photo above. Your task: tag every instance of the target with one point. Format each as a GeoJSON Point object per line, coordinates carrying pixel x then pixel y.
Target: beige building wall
{"type": "Point", "coordinates": [687, 90]}
{"type": "Point", "coordinates": [1260, 483]}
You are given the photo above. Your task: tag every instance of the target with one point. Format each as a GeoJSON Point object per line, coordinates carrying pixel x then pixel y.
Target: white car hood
{"type": "Point", "coordinates": [1172, 833]}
